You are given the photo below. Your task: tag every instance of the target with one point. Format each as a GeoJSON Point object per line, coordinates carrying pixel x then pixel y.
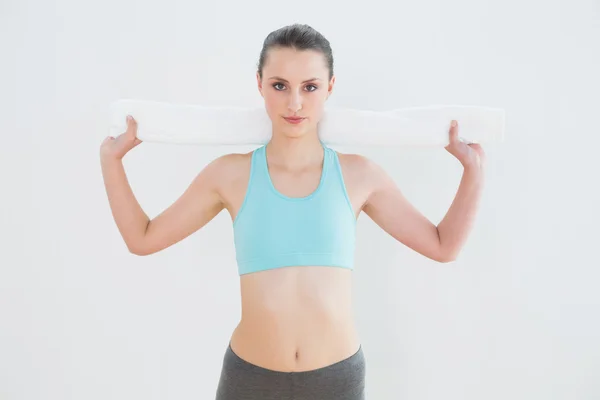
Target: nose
{"type": "Point", "coordinates": [295, 102]}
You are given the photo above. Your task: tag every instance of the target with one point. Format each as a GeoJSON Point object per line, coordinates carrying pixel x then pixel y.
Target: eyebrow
{"type": "Point", "coordinates": [281, 79]}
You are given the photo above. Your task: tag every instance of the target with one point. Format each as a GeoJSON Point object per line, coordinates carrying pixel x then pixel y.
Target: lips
{"type": "Point", "coordinates": [294, 119]}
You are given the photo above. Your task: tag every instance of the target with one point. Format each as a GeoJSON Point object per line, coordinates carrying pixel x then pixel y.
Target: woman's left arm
{"type": "Point", "coordinates": [389, 209]}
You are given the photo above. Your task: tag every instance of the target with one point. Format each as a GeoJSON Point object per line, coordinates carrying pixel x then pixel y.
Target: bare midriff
{"type": "Point", "coordinates": [296, 318]}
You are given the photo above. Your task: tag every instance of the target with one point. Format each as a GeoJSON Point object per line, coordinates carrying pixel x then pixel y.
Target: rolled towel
{"type": "Point", "coordinates": [202, 125]}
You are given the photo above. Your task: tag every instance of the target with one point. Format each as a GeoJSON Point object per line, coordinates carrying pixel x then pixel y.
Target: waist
{"type": "Point", "coordinates": [269, 261]}
{"type": "Point", "coordinates": [296, 318]}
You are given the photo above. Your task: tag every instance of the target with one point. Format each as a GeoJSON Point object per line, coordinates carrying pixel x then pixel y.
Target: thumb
{"type": "Point", "coordinates": [131, 127]}
{"type": "Point", "coordinates": [452, 134]}
{"type": "Point", "coordinates": [454, 131]}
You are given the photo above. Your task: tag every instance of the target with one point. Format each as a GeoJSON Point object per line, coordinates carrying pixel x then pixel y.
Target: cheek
{"type": "Point", "coordinates": [276, 104]}
{"type": "Point", "coordinates": [275, 108]}
{"type": "Point", "coordinates": [272, 108]}
{"type": "Point", "coordinates": [318, 106]}
{"type": "Point", "coordinates": [271, 101]}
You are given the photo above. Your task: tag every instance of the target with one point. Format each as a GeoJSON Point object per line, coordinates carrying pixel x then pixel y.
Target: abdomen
{"type": "Point", "coordinates": [296, 318]}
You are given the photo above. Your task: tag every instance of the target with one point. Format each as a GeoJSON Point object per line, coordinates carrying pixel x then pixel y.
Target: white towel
{"type": "Point", "coordinates": [414, 126]}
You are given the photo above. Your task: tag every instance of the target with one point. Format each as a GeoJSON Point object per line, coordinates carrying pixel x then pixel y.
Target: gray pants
{"type": "Point", "coordinates": [241, 380]}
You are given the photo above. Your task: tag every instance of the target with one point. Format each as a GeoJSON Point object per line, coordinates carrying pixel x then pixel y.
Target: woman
{"type": "Point", "coordinates": [294, 204]}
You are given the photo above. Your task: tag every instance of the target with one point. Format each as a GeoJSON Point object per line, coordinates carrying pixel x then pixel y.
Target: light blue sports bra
{"type": "Point", "coordinates": [272, 230]}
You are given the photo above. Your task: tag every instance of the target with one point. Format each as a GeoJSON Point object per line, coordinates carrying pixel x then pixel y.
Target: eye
{"type": "Point", "coordinates": [279, 83]}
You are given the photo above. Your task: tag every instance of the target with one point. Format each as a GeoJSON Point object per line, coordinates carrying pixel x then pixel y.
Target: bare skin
{"type": "Point", "coordinates": [294, 318]}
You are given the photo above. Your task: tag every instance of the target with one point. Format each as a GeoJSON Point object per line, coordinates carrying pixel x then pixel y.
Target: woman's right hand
{"type": "Point", "coordinates": [116, 148]}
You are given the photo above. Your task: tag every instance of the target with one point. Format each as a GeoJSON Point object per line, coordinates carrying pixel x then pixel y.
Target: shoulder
{"type": "Point", "coordinates": [229, 166]}
{"type": "Point", "coordinates": [230, 163]}
{"type": "Point", "coordinates": [228, 172]}
{"type": "Point", "coordinates": [360, 168]}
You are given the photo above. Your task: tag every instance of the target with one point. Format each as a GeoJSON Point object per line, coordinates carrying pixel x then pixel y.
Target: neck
{"type": "Point", "coordinates": [295, 153]}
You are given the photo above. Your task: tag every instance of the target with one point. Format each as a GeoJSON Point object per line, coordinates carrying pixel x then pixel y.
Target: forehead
{"type": "Point", "coordinates": [294, 64]}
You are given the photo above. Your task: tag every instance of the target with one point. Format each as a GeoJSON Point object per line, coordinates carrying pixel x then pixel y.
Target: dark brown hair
{"type": "Point", "coordinates": [299, 37]}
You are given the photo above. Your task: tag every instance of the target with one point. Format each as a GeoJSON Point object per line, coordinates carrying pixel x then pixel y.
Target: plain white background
{"type": "Point", "coordinates": [516, 316]}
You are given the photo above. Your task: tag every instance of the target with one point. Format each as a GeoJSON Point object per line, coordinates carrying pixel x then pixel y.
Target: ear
{"type": "Point", "coordinates": [331, 83]}
{"type": "Point", "coordinates": [259, 83]}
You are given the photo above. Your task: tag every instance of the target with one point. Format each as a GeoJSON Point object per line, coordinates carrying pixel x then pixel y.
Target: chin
{"type": "Point", "coordinates": [294, 134]}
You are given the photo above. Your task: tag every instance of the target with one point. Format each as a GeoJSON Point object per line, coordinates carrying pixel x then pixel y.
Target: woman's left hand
{"type": "Point", "coordinates": [469, 154]}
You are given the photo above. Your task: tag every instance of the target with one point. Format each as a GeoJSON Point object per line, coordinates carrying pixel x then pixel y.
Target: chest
{"type": "Point", "coordinates": [296, 185]}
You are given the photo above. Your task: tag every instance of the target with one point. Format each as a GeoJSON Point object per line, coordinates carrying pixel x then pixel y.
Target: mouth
{"type": "Point", "coordinates": [294, 120]}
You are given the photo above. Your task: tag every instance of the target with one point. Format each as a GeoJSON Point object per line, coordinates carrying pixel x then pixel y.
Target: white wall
{"type": "Point", "coordinates": [517, 316]}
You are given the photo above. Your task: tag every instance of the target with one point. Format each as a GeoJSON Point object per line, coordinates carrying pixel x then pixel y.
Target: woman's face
{"type": "Point", "coordinates": [295, 84]}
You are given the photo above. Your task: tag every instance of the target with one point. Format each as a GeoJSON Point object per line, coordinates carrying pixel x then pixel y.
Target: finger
{"type": "Point", "coordinates": [454, 131]}
{"type": "Point", "coordinates": [131, 126]}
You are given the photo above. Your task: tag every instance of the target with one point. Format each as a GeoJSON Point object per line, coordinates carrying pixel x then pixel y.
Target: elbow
{"type": "Point", "coordinates": [139, 245]}
{"type": "Point", "coordinates": [440, 257]}
{"type": "Point", "coordinates": [138, 249]}
{"type": "Point", "coordinates": [137, 252]}
{"type": "Point", "coordinates": [446, 257]}
{"type": "Point", "coordinates": [443, 254]}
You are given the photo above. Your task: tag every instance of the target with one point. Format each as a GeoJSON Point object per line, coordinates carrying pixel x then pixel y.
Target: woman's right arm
{"type": "Point", "coordinates": [199, 204]}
